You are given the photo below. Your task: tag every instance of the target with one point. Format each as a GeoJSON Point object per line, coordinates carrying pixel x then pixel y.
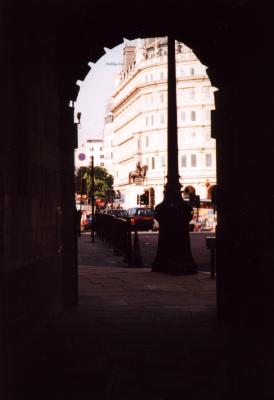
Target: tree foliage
{"type": "Point", "coordinates": [103, 181]}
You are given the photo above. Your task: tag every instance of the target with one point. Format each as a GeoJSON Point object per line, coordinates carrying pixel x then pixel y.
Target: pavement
{"type": "Point", "coordinates": [135, 334]}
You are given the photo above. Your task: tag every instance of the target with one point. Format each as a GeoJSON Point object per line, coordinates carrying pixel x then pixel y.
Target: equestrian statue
{"type": "Point", "coordinates": [140, 172]}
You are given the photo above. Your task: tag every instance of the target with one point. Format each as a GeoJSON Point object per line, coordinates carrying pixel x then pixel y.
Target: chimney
{"type": "Point", "coordinates": [129, 56]}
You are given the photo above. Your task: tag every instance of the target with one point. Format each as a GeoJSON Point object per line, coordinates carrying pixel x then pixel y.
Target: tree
{"type": "Point", "coordinates": [103, 181]}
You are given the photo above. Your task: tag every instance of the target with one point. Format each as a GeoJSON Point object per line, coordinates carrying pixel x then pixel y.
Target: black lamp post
{"type": "Point", "coordinates": [173, 214]}
{"type": "Point", "coordinates": [92, 199]}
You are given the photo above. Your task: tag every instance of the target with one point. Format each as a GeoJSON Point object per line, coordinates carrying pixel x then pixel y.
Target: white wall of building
{"type": "Point", "coordinates": [92, 147]}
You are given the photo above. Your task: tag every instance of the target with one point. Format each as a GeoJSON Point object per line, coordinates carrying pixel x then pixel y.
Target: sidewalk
{"type": "Point", "coordinates": [134, 335]}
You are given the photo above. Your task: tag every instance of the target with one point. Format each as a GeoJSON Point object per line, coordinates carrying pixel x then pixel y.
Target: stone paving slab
{"type": "Point", "coordinates": [134, 335]}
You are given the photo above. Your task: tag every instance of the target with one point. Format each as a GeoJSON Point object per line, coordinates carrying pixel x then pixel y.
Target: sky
{"type": "Point", "coordinates": [95, 91]}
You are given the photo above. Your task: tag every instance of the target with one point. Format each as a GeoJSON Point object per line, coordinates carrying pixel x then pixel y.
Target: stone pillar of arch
{"type": "Point", "coordinates": [242, 125]}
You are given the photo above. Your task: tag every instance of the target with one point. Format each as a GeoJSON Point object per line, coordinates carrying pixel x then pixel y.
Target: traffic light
{"type": "Point", "coordinates": [144, 198]}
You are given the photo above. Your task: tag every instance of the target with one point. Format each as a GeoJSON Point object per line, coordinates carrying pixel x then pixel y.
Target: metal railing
{"type": "Point", "coordinates": [116, 233]}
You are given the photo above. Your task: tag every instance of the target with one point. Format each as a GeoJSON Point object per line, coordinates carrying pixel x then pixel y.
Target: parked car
{"type": "Point", "coordinates": [86, 221]}
{"type": "Point", "coordinates": [142, 218]}
{"type": "Point", "coordinates": [118, 213]}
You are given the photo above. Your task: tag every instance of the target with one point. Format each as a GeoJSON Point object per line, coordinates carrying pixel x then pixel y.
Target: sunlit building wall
{"type": "Point", "coordinates": [91, 147]}
{"type": "Point", "coordinates": [139, 121]}
{"type": "Point", "coordinates": [109, 139]}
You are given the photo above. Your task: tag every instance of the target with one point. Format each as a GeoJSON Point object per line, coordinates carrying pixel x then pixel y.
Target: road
{"type": "Point", "coordinates": [148, 246]}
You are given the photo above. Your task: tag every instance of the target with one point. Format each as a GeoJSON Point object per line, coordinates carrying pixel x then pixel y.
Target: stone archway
{"type": "Point", "coordinates": [53, 57]}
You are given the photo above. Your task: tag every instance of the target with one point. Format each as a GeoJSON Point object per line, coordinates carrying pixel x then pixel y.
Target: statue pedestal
{"type": "Point", "coordinates": [138, 181]}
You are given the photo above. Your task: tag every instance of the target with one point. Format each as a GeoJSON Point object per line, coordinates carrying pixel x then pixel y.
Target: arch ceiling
{"type": "Point", "coordinates": [79, 30]}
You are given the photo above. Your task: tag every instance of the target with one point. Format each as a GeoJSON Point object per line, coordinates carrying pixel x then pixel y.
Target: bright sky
{"type": "Point", "coordinates": [95, 91]}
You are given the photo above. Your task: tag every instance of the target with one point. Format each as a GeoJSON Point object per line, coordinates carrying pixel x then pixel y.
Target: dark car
{"type": "Point", "coordinates": [118, 213]}
{"type": "Point", "coordinates": [141, 218]}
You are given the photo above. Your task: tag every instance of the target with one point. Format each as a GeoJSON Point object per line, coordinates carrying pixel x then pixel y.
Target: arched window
{"type": "Point", "coordinates": [193, 161]}
{"type": "Point", "coordinates": [183, 161]}
{"type": "Point", "coordinates": [208, 160]}
{"type": "Point", "coordinates": [162, 97]}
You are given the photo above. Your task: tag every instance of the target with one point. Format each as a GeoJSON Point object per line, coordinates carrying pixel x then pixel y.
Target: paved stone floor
{"type": "Point", "coordinates": [134, 335]}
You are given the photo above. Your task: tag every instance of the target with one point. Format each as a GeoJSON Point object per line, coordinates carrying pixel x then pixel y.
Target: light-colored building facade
{"type": "Point", "coordinates": [139, 122]}
{"type": "Point", "coordinates": [109, 139]}
{"type": "Point", "coordinates": [91, 147]}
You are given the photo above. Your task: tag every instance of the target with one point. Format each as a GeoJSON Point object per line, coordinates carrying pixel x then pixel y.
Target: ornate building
{"type": "Point", "coordinates": [139, 123]}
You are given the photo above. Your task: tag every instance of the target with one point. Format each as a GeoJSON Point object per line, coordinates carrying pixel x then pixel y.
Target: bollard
{"type": "Point", "coordinates": [136, 259]}
{"type": "Point", "coordinates": [211, 245]}
{"type": "Point", "coordinates": [128, 247]}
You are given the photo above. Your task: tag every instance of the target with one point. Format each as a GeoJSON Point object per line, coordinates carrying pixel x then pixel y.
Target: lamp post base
{"type": "Point", "coordinates": [174, 267]}
{"type": "Point", "coordinates": [174, 251]}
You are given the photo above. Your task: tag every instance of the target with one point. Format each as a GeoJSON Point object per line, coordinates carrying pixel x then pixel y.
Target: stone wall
{"type": "Point", "coordinates": [38, 269]}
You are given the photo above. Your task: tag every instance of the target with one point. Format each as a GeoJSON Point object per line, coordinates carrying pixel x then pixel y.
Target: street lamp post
{"type": "Point", "coordinates": [92, 199]}
{"type": "Point", "coordinates": [173, 214]}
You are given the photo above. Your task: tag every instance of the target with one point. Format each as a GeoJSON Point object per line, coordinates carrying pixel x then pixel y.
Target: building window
{"type": "Point", "coordinates": [152, 162]}
{"type": "Point", "coordinates": [191, 94]}
{"type": "Point", "coordinates": [163, 161]}
{"type": "Point", "coordinates": [101, 164]}
{"type": "Point", "coordinates": [152, 119]}
{"type": "Point", "coordinates": [193, 134]}
{"type": "Point", "coordinates": [193, 160]}
{"type": "Point", "coordinates": [208, 160]}
{"type": "Point", "coordinates": [146, 120]}
{"type": "Point", "coordinates": [162, 118]}
{"type": "Point", "coordinates": [102, 156]}
{"type": "Point", "coordinates": [207, 93]}
{"type": "Point", "coordinates": [151, 77]}
{"type": "Point", "coordinates": [101, 148]}
{"type": "Point", "coordinates": [147, 141]}
{"type": "Point", "coordinates": [182, 95]}
{"type": "Point", "coordinates": [192, 71]}
{"type": "Point", "coordinates": [183, 116]}
{"type": "Point", "coordinates": [161, 75]}
{"type": "Point", "coordinates": [111, 155]}
{"type": "Point", "coordinates": [139, 144]}
{"type": "Point", "coordinates": [162, 97]}
{"type": "Point", "coordinates": [183, 161]}
{"type": "Point", "coordinates": [193, 116]}
{"type": "Point", "coordinates": [182, 72]}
